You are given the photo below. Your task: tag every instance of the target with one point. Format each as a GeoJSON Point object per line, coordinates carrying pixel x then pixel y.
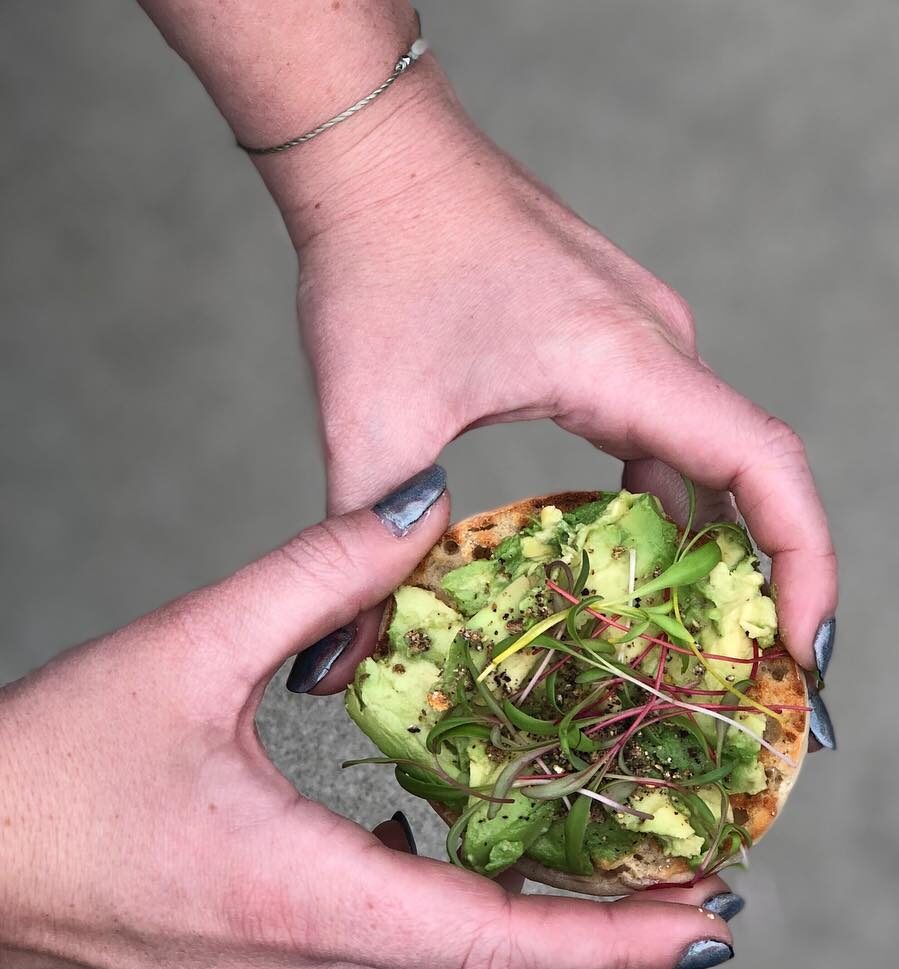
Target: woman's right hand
{"type": "Point", "coordinates": [143, 825]}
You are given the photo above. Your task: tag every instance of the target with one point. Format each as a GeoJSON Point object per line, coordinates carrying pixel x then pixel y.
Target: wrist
{"type": "Point", "coordinates": [377, 161]}
{"type": "Point", "coordinates": [277, 69]}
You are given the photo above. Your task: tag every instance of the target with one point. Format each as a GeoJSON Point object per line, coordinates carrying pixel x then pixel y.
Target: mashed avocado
{"type": "Point", "coordinates": [422, 625]}
{"type": "Point", "coordinates": [474, 585]}
{"type": "Point", "coordinates": [731, 609]}
{"type": "Point", "coordinates": [748, 776]}
{"type": "Point", "coordinates": [493, 844]}
{"type": "Point", "coordinates": [436, 641]}
{"type": "Point", "coordinates": [670, 823]}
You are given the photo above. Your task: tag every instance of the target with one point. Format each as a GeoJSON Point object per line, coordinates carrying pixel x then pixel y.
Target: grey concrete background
{"type": "Point", "coordinates": [158, 427]}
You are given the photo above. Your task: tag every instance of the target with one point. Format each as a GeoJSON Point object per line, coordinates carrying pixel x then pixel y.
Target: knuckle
{"type": "Point", "coordinates": [322, 553]}
{"type": "Point", "coordinates": [677, 315]}
{"type": "Point", "coordinates": [676, 308]}
{"type": "Point", "coordinates": [781, 442]}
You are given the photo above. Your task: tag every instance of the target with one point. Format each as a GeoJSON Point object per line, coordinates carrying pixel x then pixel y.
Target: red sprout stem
{"type": "Point", "coordinates": [753, 673]}
{"type": "Point", "coordinates": [635, 663]}
{"type": "Point", "coordinates": [613, 719]}
{"type": "Point", "coordinates": [651, 705]}
{"type": "Point", "coordinates": [553, 669]}
{"type": "Point", "coordinates": [669, 710]}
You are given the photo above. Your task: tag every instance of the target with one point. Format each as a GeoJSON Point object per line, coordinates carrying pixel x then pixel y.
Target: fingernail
{"type": "Point", "coordinates": [725, 905]}
{"type": "Point", "coordinates": [403, 822]}
{"type": "Point", "coordinates": [313, 664]}
{"type": "Point", "coordinates": [402, 508]}
{"type": "Point", "coordinates": [705, 953]}
{"type": "Point", "coordinates": [825, 638]}
{"type": "Point", "coordinates": [820, 724]}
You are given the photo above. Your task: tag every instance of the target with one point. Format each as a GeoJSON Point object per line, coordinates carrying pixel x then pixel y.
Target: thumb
{"type": "Point", "coordinates": [462, 919]}
{"type": "Point", "coordinates": [317, 583]}
{"type": "Point", "coordinates": [357, 471]}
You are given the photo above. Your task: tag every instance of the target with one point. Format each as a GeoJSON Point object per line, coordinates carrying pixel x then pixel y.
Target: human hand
{"type": "Point", "coordinates": [443, 288]}
{"type": "Point", "coordinates": [142, 824]}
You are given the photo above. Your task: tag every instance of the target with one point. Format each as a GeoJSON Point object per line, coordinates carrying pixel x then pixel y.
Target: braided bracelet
{"type": "Point", "coordinates": [419, 46]}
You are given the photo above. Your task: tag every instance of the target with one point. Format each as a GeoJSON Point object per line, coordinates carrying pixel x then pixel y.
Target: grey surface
{"type": "Point", "coordinates": [158, 428]}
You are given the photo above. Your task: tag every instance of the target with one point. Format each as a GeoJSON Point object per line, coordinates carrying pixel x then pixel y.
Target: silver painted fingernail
{"type": "Point", "coordinates": [725, 905]}
{"type": "Point", "coordinates": [313, 664]}
{"type": "Point", "coordinates": [403, 822]}
{"type": "Point", "coordinates": [402, 508]}
{"type": "Point", "coordinates": [704, 954]}
{"type": "Point", "coordinates": [819, 722]}
{"type": "Point", "coordinates": [825, 638]}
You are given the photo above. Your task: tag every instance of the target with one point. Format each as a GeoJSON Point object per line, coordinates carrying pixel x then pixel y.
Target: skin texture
{"type": "Point", "coordinates": [141, 823]}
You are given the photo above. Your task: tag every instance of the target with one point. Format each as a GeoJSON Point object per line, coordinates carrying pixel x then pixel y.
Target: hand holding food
{"type": "Point", "coordinates": [142, 824]}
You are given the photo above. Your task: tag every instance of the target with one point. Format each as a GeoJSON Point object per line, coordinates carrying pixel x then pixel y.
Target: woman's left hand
{"type": "Point", "coordinates": [142, 824]}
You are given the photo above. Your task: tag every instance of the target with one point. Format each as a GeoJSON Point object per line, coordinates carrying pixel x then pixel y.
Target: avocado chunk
{"type": "Point", "coordinates": [474, 585]}
{"type": "Point", "coordinates": [669, 822]}
{"type": "Point", "coordinates": [729, 606]}
{"type": "Point", "coordinates": [398, 701]}
{"type": "Point", "coordinates": [422, 624]}
{"type": "Point", "coordinates": [534, 545]}
{"type": "Point", "coordinates": [490, 845]}
{"type": "Point", "coordinates": [629, 522]}
{"type": "Point", "coordinates": [629, 526]}
{"type": "Point", "coordinates": [748, 776]}
{"type": "Point", "coordinates": [390, 704]}
{"type": "Point", "coordinates": [500, 618]}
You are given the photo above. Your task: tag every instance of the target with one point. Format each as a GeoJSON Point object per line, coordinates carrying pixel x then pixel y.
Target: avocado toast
{"type": "Point", "coordinates": [587, 693]}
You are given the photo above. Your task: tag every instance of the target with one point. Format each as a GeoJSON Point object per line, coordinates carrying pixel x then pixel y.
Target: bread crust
{"type": "Point", "coordinates": [778, 681]}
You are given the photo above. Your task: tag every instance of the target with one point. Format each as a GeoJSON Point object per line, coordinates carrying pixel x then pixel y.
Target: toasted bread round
{"type": "Point", "coordinates": [778, 681]}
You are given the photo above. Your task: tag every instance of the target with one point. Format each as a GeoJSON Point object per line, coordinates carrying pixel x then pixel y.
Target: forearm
{"type": "Point", "coordinates": [277, 68]}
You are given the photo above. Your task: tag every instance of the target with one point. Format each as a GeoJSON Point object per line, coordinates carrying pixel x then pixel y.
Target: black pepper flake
{"type": "Point", "coordinates": [417, 640]}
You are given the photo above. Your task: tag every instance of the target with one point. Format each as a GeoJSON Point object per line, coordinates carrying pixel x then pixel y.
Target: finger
{"type": "Point", "coordinates": [647, 474]}
{"type": "Point", "coordinates": [451, 918]}
{"type": "Point", "coordinates": [361, 645]}
{"type": "Point", "coordinates": [688, 418]}
{"type": "Point", "coordinates": [318, 582]}
{"type": "Point", "coordinates": [356, 470]}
